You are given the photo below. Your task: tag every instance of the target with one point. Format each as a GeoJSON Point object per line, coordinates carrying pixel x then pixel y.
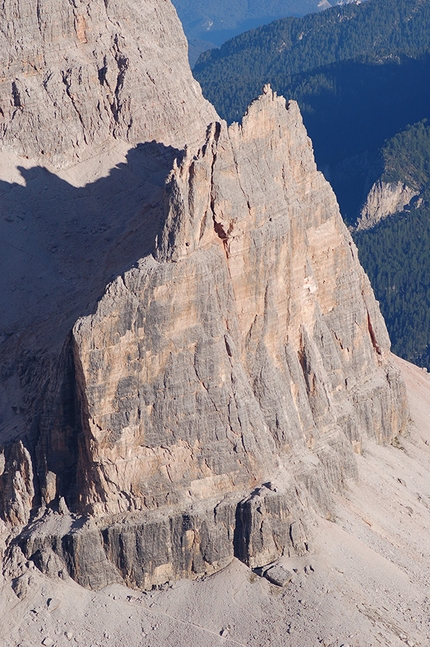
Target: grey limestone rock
{"type": "Point", "coordinates": [75, 74]}
{"type": "Point", "coordinates": [212, 399]}
{"type": "Point", "coordinates": [270, 524]}
{"type": "Point", "coordinates": [20, 586]}
{"type": "Point", "coordinates": [16, 484]}
{"type": "Point", "coordinates": [385, 199]}
{"type": "Point", "coordinates": [250, 335]}
{"type": "Point", "coordinates": [59, 545]}
{"type": "Point", "coordinates": [278, 575]}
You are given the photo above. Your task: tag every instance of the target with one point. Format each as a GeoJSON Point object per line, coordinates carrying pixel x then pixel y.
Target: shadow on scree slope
{"type": "Point", "coordinates": [59, 248]}
{"type": "Point", "coordinates": [60, 245]}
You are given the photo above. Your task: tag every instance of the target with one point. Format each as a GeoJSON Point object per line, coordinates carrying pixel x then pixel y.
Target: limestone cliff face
{"type": "Point", "coordinates": [74, 74]}
{"type": "Point", "coordinates": [215, 396]}
{"type": "Point", "coordinates": [224, 383]}
{"type": "Point", "coordinates": [251, 333]}
{"type": "Point", "coordinates": [384, 199]}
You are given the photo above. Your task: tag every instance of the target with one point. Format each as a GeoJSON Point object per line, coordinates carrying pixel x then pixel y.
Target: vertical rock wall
{"type": "Point", "coordinates": [215, 397]}
{"type": "Point", "coordinates": [251, 336]}
{"type": "Point", "coordinates": [74, 74]}
{"type": "Point", "coordinates": [247, 350]}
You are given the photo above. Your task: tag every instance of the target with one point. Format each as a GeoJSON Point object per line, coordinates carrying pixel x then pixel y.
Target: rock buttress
{"type": "Point", "coordinates": [75, 74]}
{"type": "Point", "coordinates": [224, 383]}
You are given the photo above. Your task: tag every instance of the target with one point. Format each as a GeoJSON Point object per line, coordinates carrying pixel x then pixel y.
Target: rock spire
{"type": "Point", "coordinates": [215, 396]}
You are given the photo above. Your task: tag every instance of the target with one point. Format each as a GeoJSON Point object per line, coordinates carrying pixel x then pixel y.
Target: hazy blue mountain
{"type": "Point", "coordinates": [376, 31]}
{"type": "Point", "coordinates": [214, 16]}
{"type": "Point", "coordinates": [210, 23]}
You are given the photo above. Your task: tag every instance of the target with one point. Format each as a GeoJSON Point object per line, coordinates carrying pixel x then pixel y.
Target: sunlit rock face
{"type": "Point", "coordinates": [250, 334]}
{"type": "Point", "coordinates": [385, 199]}
{"type": "Point", "coordinates": [74, 74]}
{"type": "Point", "coordinates": [209, 356]}
{"type": "Point", "coordinates": [96, 101]}
{"type": "Point", "coordinates": [248, 348]}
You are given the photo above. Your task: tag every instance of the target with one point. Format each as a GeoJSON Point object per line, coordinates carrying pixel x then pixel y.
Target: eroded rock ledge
{"type": "Point", "coordinates": [221, 388]}
{"type": "Point", "coordinates": [385, 199]}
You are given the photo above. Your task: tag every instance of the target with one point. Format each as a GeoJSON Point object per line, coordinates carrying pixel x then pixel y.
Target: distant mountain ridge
{"type": "Point", "coordinates": [215, 15]}
{"type": "Point", "coordinates": [210, 23]}
{"type": "Point", "coordinates": [357, 71]}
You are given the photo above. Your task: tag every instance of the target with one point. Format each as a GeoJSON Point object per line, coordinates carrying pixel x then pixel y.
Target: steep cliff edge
{"type": "Point", "coordinates": [215, 396]}
{"type": "Point", "coordinates": [74, 74]}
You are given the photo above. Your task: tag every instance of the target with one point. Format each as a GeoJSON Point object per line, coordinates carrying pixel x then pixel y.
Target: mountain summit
{"type": "Point", "coordinates": [203, 391]}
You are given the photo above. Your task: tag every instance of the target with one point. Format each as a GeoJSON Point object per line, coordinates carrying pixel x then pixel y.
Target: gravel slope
{"type": "Point", "coordinates": [365, 582]}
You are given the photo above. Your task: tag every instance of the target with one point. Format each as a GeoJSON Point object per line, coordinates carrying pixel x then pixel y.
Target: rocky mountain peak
{"type": "Point", "coordinates": [247, 348]}
{"type": "Point", "coordinates": [212, 398]}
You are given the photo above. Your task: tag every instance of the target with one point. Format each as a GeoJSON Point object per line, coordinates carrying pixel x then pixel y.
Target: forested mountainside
{"type": "Point", "coordinates": [377, 31]}
{"type": "Point", "coordinates": [360, 73]}
{"type": "Point", "coordinates": [209, 24]}
{"type": "Point", "coordinates": [396, 256]}
{"type": "Point", "coordinates": [406, 156]}
{"type": "Point", "coordinates": [213, 16]}
{"type": "Point", "coordinates": [351, 109]}
{"type": "Point", "coordinates": [396, 252]}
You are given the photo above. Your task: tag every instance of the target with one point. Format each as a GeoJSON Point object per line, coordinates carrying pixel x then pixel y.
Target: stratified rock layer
{"type": "Point", "coordinates": [224, 383]}
{"type": "Point", "coordinates": [74, 74]}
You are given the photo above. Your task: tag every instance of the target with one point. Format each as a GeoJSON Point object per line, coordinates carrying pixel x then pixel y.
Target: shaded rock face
{"type": "Point", "coordinates": [215, 396]}
{"type": "Point", "coordinates": [74, 74]}
{"type": "Point", "coordinates": [16, 478]}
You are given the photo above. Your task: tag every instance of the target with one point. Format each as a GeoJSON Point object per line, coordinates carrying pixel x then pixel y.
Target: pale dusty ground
{"type": "Point", "coordinates": [367, 581]}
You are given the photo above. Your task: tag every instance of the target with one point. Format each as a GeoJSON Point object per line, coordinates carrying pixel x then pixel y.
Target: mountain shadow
{"type": "Point", "coordinates": [60, 246]}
